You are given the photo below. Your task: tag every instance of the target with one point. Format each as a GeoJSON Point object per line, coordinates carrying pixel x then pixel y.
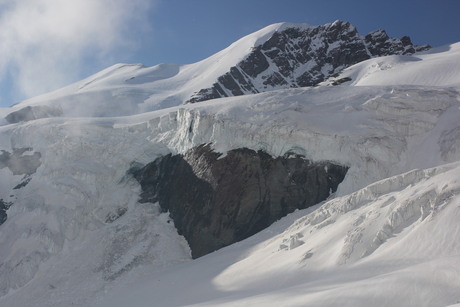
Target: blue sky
{"type": "Point", "coordinates": [47, 44]}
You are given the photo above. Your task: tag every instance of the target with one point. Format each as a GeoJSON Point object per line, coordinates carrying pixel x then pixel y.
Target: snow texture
{"type": "Point", "coordinates": [77, 235]}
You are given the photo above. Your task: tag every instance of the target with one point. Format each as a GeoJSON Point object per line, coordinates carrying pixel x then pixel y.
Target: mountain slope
{"type": "Point", "coordinates": [279, 56]}
{"type": "Point", "coordinates": [437, 67]}
{"type": "Point", "coordinates": [73, 230]}
{"type": "Point", "coordinates": [126, 89]}
{"type": "Point", "coordinates": [393, 243]}
{"type": "Point", "coordinates": [301, 55]}
{"type": "Point", "coordinates": [79, 196]}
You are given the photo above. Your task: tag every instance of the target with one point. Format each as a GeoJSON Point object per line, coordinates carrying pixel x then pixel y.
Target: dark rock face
{"type": "Point", "coordinates": [216, 201]}
{"type": "Point", "coordinates": [299, 56]}
{"type": "Point", "coordinates": [3, 207]}
{"type": "Point", "coordinates": [380, 44]}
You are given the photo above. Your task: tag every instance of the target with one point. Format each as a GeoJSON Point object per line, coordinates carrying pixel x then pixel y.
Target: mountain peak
{"type": "Point", "coordinates": [287, 25]}
{"type": "Point", "coordinates": [279, 56]}
{"type": "Point", "coordinates": [340, 24]}
{"type": "Point", "coordinates": [286, 55]}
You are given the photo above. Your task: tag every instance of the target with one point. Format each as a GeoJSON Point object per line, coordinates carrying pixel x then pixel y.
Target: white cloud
{"type": "Point", "coordinates": [45, 44]}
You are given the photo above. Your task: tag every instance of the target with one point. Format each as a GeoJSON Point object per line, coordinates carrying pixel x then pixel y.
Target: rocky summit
{"type": "Point", "coordinates": [300, 55]}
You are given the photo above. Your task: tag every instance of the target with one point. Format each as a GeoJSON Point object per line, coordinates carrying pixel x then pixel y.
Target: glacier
{"type": "Point", "coordinates": [76, 234]}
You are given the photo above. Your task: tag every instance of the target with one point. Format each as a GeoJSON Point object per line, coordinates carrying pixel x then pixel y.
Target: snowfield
{"type": "Point", "coordinates": [76, 234]}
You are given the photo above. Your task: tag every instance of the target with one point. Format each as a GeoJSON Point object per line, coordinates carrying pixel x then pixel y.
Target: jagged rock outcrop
{"type": "Point", "coordinates": [380, 44]}
{"type": "Point", "coordinates": [3, 208]}
{"type": "Point", "coordinates": [217, 200]}
{"type": "Point", "coordinates": [297, 56]}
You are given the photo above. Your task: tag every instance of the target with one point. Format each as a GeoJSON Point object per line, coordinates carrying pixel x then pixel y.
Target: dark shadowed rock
{"type": "Point", "coordinates": [3, 208]}
{"type": "Point", "coordinates": [380, 44]}
{"type": "Point", "coordinates": [299, 56]}
{"type": "Point", "coordinates": [217, 200]}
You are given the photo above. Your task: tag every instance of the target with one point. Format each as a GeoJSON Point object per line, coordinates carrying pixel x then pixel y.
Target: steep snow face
{"type": "Point", "coordinates": [378, 132]}
{"type": "Point", "coordinates": [79, 212]}
{"type": "Point", "coordinates": [126, 89]}
{"type": "Point", "coordinates": [77, 225]}
{"type": "Point", "coordinates": [393, 243]}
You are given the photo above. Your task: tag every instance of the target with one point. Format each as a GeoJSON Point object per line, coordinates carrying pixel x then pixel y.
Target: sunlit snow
{"type": "Point", "coordinates": [76, 234]}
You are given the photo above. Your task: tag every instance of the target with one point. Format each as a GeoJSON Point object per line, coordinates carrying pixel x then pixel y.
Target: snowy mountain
{"type": "Point", "coordinates": [280, 56]}
{"type": "Point", "coordinates": [107, 186]}
{"type": "Point", "coordinates": [302, 55]}
{"type": "Point", "coordinates": [416, 69]}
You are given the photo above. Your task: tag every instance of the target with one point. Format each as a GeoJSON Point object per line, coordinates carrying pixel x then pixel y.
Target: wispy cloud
{"type": "Point", "coordinates": [45, 44]}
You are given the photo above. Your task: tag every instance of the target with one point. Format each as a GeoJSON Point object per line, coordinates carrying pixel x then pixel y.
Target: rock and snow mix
{"type": "Point", "coordinates": [393, 243]}
{"type": "Point", "coordinates": [76, 234]}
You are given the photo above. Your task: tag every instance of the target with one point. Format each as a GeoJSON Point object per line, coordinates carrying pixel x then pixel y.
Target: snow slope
{"type": "Point", "coordinates": [437, 67]}
{"type": "Point", "coordinates": [79, 213]}
{"type": "Point", "coordinates": [126, 89]}
{"type": "Point", "coordinates": [393, 243]}
{"type": "Point", "coordinates": [76, 234]}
